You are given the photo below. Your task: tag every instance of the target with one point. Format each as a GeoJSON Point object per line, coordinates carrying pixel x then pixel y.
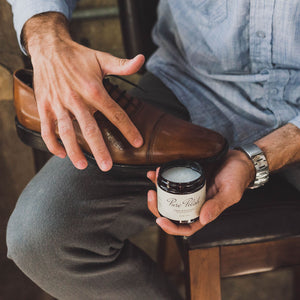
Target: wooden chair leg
{"type": "Point", "coordinates": [168, 257]}
{"type": "Point", "coordinates": [204, 272]}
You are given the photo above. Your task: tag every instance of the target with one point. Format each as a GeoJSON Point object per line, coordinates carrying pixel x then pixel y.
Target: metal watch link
{"type": "Point", "coordinates": [260, 163]}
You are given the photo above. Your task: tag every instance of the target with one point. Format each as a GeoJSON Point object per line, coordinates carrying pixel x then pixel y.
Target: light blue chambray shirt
{"type": "Point", "coordinates": [235, 64]}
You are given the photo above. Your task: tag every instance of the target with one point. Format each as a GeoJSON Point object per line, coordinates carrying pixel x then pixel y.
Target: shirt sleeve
{"type": "Point", "coordinates": [25, 9]}
{"type": "Point", "coordinates": [296, 121]}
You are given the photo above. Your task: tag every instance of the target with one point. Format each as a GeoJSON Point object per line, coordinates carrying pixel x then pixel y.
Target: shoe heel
{"type": "Point", "coordinates": [30, 138]}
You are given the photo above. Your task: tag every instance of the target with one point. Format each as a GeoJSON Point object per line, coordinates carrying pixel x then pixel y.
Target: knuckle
{"type": "Point", "coordinates": [109, 105]}
{"type": "Point", "coordinates": [122, 62]}
{"type": "Point", "coordinates": [101, 152]}
{"type": "Point", "coordinates": [43, 109]}
{"type": "Point", "coordinates": [119, 117]}
{"type": "Point", "coordinates": [90, 131]}
{"type": "Point", "coordinates": [46, 133]}
{"type": "Point", "coordinates": [71, 153]}
{"type": "Point", "coordinates": [65, 130]}
{"type": "Point", "coordinates": [93, 89]}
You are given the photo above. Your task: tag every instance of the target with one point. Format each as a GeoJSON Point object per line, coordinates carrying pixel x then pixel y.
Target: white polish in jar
{"type": "Point", "coordinates": [180, 174]}
{"type": "Point", "coordinates": [181, 191]}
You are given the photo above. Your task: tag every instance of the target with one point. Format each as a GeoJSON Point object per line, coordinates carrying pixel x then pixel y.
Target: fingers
{"type": "Point", "coordinates": [178, 229]}
{"type": "Point", "coordinates": [68, 137]}
{"type": "Point", "coordinates": [152, 175]}
{"type": "Point", "coordinates": [91, 133]}
{"type": "Point", "coordinates": [76, 93]}
{"type": "Point", "coordinates": [152, 203]}
{"type": "Point", "coordinates": [213, 207]}
{"type": "Point", "coordinates": [48, 134]}
{"type": "Point", "coordinates": [117, 116]}
{"type": "Point", "coordinates": [119, 66]}
{"type": "Point", "coordinates": [114, 65]}
{"type": "Point", "coordinates": [93, 136]}
{"type": "Point", "coordinates": [167, 225]}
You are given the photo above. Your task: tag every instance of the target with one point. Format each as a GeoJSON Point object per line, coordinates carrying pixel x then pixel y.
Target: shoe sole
{"type": "Point", "coordinates": [34, 140]}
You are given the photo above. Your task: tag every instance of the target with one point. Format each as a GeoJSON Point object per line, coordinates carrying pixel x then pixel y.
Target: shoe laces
{"type": "Point", "coordinates": [128, 103]}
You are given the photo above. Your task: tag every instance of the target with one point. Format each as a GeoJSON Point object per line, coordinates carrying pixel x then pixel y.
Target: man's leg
{"type": "Point", "coordinates": [69, 229]}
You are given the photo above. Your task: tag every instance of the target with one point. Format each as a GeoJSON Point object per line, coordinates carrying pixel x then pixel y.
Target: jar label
{"type": "Point", "coordinates": [180, 207]}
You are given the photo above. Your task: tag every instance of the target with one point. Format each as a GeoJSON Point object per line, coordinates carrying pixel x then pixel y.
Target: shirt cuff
{"type": "Point", "coordinates": [25, 9]}
{"type": "Point", "coordinates": [296, 121]}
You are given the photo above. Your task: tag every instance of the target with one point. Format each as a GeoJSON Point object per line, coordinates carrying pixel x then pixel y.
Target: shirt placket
{"type": "Point", "coordinates": [260, 34]}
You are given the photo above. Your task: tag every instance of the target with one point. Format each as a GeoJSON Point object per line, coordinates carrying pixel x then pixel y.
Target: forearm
{"type": "Point", "coordinates": [281, 147]}
{"type": "Point", "coordinates": [42, 32]}
{"type": "Point", "coordinates": [24, 10]}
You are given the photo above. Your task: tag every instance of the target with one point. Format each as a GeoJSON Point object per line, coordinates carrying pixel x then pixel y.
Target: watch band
{"type": "Point", "coordinates": [260, 163]}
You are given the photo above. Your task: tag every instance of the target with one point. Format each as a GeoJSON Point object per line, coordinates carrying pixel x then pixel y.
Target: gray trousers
{"type": "Point", "coordinates": [69, 231]}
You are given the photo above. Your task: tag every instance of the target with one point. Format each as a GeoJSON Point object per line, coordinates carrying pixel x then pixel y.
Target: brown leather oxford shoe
{"type": "Point", "coordinates": [166, 137]}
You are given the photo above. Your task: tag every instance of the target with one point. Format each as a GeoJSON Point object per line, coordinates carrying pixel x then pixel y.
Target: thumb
{"type": "Point", "coordinates": [213, 207]}
{"type": "Point", "coordinates": [119, 66]}
{"type": "Point", "coordinates": [209, 211]}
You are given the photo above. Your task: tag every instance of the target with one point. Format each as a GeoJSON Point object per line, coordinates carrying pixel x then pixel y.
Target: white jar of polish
{"type": "Point", "coordinates": [181, 191]}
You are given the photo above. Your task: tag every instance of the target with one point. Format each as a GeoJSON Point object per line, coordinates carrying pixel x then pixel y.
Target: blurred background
{"type": "Point", "coordinates": [96, 25]}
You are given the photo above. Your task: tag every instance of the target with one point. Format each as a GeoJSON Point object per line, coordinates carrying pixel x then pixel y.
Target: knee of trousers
{"type": "Point", "coordinates": [43, 233]}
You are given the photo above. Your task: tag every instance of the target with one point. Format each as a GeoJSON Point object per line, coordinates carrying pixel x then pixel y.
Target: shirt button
{"type": "Point", "coordinates": [264, 72]}
{"type": "Point", "coordinates": [260, 34]}
{"type": "Point", "coordinates": [274, 91]}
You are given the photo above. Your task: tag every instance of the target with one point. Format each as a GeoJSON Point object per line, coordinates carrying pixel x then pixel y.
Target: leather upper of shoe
{"type": "Point", "coordinates": [165, 137]}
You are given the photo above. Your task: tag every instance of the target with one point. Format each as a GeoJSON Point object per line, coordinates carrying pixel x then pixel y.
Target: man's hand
{"type": "Point", "coordinates": [68, 84]}
{"type": "Point", "coordinates": [281, 147]}
{"type": "Point", "coordinates": [236, 173]}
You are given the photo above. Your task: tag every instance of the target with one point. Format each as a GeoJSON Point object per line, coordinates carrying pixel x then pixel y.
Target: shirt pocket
{"type": "Point", "coordinates": [210, 12]}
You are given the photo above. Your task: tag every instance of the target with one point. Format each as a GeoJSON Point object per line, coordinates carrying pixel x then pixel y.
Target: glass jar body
{"type": "Point", "coordinates": [181, 201]}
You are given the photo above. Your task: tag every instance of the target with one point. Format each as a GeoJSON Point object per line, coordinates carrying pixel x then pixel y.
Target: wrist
{"type": "Point", "coordinates": [259, 160]}
{"type": "Point", "coordinates": [281, 147]}
{"type": "Point", "coordinates": [45, 31]}
{"type": "Point", "coordinates": [248, 165]}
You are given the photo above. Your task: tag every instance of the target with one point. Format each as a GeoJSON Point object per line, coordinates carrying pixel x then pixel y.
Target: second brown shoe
{"type": "Point", "coordinates": [165, 137]}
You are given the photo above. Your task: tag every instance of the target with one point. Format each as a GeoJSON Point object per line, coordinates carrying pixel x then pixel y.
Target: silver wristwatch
{"type": "Point", "coordinates": [260, 163]}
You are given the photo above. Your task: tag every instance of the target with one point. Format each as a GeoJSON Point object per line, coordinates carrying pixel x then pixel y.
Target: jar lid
{"type": "Point", "coordinates": [179, 180]}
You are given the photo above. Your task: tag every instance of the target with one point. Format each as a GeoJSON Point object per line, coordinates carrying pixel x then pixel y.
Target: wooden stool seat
{"type": "Point", "coordinates": [268, 213]}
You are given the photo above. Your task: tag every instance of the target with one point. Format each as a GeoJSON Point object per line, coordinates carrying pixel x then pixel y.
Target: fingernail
{"type": "Point", "coordinates": [138, 142]}
{"type": "Point", "coordinates": [150, 197]}
{"type": "Point", "coordinates": [158, 221]}
{"type": "Point", "coordinates": [61, 155]}
{"type": "Point", "coordinates": [105, 165]}
{"type": "Point", "coordinates": [81, 164]}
